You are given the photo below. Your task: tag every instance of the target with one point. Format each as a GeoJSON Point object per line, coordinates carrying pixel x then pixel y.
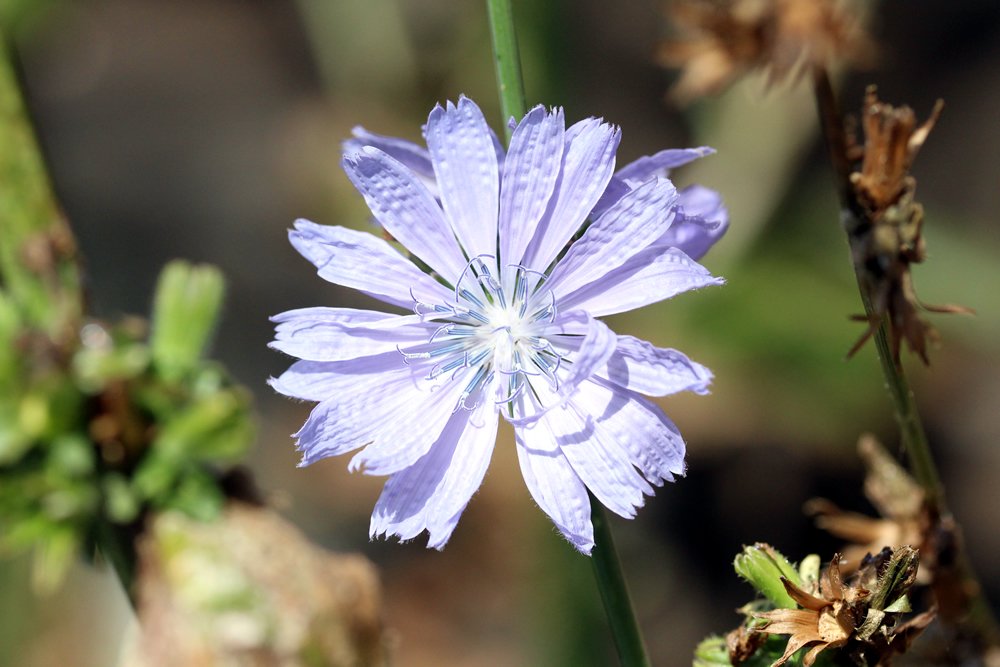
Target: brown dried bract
{"type": "Point", "coordinates": [885, 230]}
{"type": "Point", "coordinates": [859, 615]}
{"type": "Point", "coordinates": [742, 644]}
{"type": "Point", "coordinates": [724, 39]}
{"type": "Point", "coordinates": [905, 519]}
{"type": "Point", "coordinates": [824, 622]}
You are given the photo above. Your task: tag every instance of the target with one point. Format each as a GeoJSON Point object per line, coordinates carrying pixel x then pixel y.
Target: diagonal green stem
{"type": "Point", "coordinates": [508, 62]}
{"type": "Point", "coordinates": [614, 591]}
{"type": "Point", "coordinates": [913, 437]}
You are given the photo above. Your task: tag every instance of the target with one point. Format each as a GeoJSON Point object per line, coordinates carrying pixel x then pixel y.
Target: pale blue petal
{"type": "Point", "coordinates": [366, 263]}
{"type": "Point", "coordinates": [651, 441]}
{"type": "Point", "coordinates": [632, 224]}
{"type": "Point", "coordinates": [321, 380]}
{"type": "Point", "coordinates": [465, 165]}
{"type": "Point", "coordinates": [654, 371]}
{"type": "Point", "coordinates": [702, 220]}
{"type": "Point", "coordinates": [405, 435]}
{"type": "Point", "coordinates": [600, 462]}
{"type": "Point", "coordinates": [616, 189]}
{"type": "Point", "coordinates": [338, 334]}
{"type": "Point", "coordinates": [530, 172]}
{"type": "Point", "coordinates": [406, 210]}
{"type": "Point", "coordinates": [652, 275]}
{"type": "Point", "coordinates": [356, 397]}
{"type": "Point", "coordinates": [588, 163]}
{"type": "Point", "coordinates": [432, 493]}
{"type": "Point", "coordinates": [659, 164]}
{"type": "Point", "coordinates": [374, 401]}
{"type": "Point", "coordinates": [646, 167]}
{"type": "Point", "coordinates": [414, 156]}
{"type": "Point", "coordinates": [554, 484]}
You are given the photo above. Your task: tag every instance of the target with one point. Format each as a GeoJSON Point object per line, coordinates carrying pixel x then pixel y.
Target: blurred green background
{"type": "Point", "coordinates": [202, 128]}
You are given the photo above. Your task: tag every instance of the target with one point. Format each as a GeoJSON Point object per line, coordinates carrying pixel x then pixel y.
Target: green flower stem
{"type": "Point", "coordinates": [913, 437]}
{"type": "Point", "coordinates": [607, 569]}
{"type": "Point", "coordinates": [38, 269]}
{"type": "Point", "coordinates": [117, 545]}
{"type": "Point", "coordinates": [614, 591]}
{"type": "Point", "coordinates": [508, 62]}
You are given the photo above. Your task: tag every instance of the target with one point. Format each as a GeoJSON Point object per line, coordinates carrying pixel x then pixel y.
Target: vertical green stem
{"type": "Point", "coordinates": [607, 569]}
{"type": "Point", "coordinates": [614, 591]}
{"type": "Point", "coordinates": [508, 61]}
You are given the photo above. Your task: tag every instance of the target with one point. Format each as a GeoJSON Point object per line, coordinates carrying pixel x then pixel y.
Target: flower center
{"type": "Point", "coordinates": [495, 327]}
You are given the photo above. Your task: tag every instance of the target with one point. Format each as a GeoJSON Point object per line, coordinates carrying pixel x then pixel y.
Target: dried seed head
{"type": "Point", "coordinates": [858, 615]}
{"type": "Point", "coordinates": [724, 39]}
{"type": "Point", "coordinates": [885, 229]}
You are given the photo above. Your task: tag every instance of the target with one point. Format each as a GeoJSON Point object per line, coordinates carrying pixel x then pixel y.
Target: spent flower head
{"type": "Point", "coordinates": [506, 323]}
{"type": "Point", "coordinates": [721, 40]}
{"type": "Point", "coordinates": [885, 229]}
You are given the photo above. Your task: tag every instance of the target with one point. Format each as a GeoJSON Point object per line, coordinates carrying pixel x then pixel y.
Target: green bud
{"type": "Point", "coordinates": [215, 428]}
{"type": "Point", "coordinates": [198, 496]}
{"type": "Point", "coordinates": [889, 596]}
{"type": "Point", "coordinates": [185, 311]}
{"type": "Point", "coordinates": [95, 367]}
{"type": "Point", "coordinates": [71, 455]}
{"type": "Point", "coordinates": [711, 652]}
{"type": "Point", "coordinates": [120, 502]}
{"type": "Point", "coordinates": [809, 568]}
{"type": "Point", "coordinates": [763, 568]}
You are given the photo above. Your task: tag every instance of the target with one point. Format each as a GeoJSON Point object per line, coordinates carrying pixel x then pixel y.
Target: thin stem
{"type": "Point", "coordinates": [914, 439]}
{"type": "Point", "coordinates": [508, 62]}
{"type": "Point", "coordinates": [614, 591]}
{"type": "Point", "coordinates": [117, 545]}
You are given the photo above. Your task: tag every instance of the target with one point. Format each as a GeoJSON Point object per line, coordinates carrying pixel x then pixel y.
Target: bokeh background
{"type": "Point", "coordinates": [202, 128]}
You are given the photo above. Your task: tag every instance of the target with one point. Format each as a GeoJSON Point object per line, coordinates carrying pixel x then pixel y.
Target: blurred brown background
{"type": "Point", "coordinates": [202, 129]}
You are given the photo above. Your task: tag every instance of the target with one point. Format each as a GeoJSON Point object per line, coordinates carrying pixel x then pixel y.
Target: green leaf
{"type": "Point", "coordinates": [215, 428]}
{"type": "Point", "coordinates": [185, 311]}
{"type": "Point", "coordinates": [198, 496]}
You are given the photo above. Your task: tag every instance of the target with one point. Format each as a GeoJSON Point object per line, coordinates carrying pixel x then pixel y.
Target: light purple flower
{"type": "Point", "coordinates": [506, 325]}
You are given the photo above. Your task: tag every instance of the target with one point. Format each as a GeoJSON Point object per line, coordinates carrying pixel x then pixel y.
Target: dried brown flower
{"type": "Point", "coordinates": [885, 230]}
{"type": "Point", "coordinates": [724, 39]}
{"type": "Point", "coordinates": [858, 615]}
{"type": "Point", "coordinates": [827, 621]}
{"type": "Point", "coordinates": [905, 519]}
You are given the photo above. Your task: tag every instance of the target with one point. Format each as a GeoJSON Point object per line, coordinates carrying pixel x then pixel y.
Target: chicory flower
{"type": "Point", "coordinates": [527, 249]}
